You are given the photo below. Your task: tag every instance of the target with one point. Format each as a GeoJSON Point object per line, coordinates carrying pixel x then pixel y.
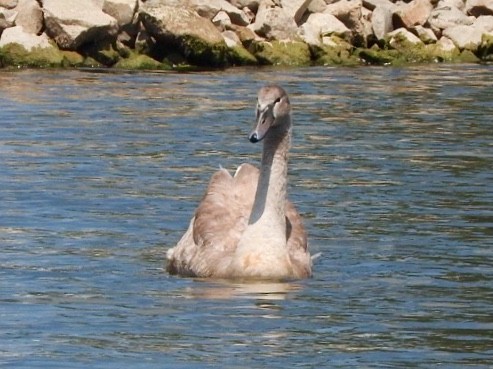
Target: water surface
{"type": "Point", "coordinates": [391, 168]}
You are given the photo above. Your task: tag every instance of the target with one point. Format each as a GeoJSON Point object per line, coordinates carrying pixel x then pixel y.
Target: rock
{"type": "Point", "coordinates": [250, 15]}
{"type": "Point", "coordinates": [29, 41]}
{"type": "Point", "coordinates": [381, 21]}
{"type": "Point", "coordinates": [295, 8]}
{"type": "Point", "coordinates": [425, 34]}
{"type": "Point", "coordinates": [72, 23]}
{"type": "Point", "coordinates": [222, 20]}
{"type": "Point", "coordinates": [441, 18]}
{"type": "Point", "coordinates": [446, 44]}
{"type": "Point", "coordinates": [316, 6]}
{"type": "Point", "coordinates": [209, 9]}
{"type": "Point", "coordinates": [412, 14]}
{"type": "Point", "coordinates": [253, 5]}
{"type": "Point", "coordinates": [184, 31]}
{"type": "Point", "coordinates": [231, 39]}
{"type": "Point", "coordinates": [399, 36]}
{"type": "Point", "coordinates": [246, 35]}
{"type": "Point", "coordinates": [29, 16]}
{"type": "Point", "coordinates": [9, 4]}
{"type": "Point", "coordinates": [484, 22]}
{"type": "Point", "coordinates": [479, 7]}
{"type": "Point", "coordinates": [465, 37]}
{"type": "Point", "coordinates": [372, 4]}
{"type": "Point", "coordinates": [122, 10]}
{"type": "Point", "coordinates": [7, 18]}
{"type": "Point", "coordinates": [459, 4]}
{"type": "Point", "coordinates": [349, 12]}
{"type": "Point", "coordinates": [274, 23]}
{"type": "Point", "coordinates": [319, 25]}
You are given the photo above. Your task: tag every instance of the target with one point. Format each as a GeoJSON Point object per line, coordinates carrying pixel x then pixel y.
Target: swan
{"type": "Point", "coordinates": [245, 227]}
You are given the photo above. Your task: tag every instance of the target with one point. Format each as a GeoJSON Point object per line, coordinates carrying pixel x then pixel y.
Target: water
{"type": "Point", "coordinates": [391, 168]}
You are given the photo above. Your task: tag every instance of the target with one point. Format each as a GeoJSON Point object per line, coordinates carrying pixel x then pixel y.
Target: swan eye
{"type": "Point", "coordinates": [277, 100]}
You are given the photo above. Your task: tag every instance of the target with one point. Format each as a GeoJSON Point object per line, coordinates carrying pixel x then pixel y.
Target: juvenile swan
{"type": "Point", "coordinates": [245, 227]}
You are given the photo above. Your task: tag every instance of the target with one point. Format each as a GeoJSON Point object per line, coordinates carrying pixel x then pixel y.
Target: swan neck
{"type": "Point", "coordinates": [270, 198]}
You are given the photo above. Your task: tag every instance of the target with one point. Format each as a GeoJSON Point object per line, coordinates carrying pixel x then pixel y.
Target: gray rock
{"type": "Point", "coordinates": [449, 16]}
{"type": "Point", "coordinates": [17, 35]}
{"type": "Point", "coordinates": [319, 25]}
{"type": "Point", "coordinates": [401, 33]}
{"type": "Point", "coordinates": [479, 7]}
{"type": "Point", "coordinates": [381, 21]}
{"type": "Point", "coordinates": [7, 18]}
{"type": "Point", "coordinates": [29, 16]}
{"type": "Point", "coordinates": [72, 23]}
{"type": "Point", "coordinates": [274, 23]}
{"type": "Point", "coordinates": [122, 10]}
{"type": "Point", "coordinates": [425, 34]}
{"type": "Point", "coordinates": [222, 20]}
{"type": "Point", "coordinates": [446, 44]}
{"type": "Point", "coordinates": [209, 8]}
{"type": "Point", "coordinates": [231, 39]}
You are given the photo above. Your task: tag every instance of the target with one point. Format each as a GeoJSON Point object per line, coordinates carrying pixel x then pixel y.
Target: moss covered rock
{"type": "Point", "coordinates": [136, 61]}
{"type": "Point", "coordinates": [335, 52]}
{"type": "Point", "coordinates": [288, 53]}
{"type": "Point", "coordinates": [485, 50]}
{"type": "Point", "coordinates": [16, 55]}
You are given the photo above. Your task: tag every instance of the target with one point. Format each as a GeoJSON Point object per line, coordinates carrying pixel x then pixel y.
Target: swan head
{"type": "Point", "coordinates": [273, 110]}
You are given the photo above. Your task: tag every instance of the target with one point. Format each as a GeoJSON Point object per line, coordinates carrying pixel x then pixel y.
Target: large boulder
{"type": "Point", "coordinates": [479, 7]}
{"type": "Point", "coordinates": [29, 41]}
{"type": "Point", "coordinates": [448, 16]}
{"type": "Point", "coordinates": [465, 37]}
{"type": "Point", "coordinates": [274, 23]}
{"type": "Point", "coordinates": [29, 16]}
{"type": "Point", "coordinates": [122, 10]}
{"type": "Point", "coordinates": [381, 21]}
{"type": "Point", "coordinates": [470, 37]}
{"type": "Point", "coordinates": [412, 14]}
{"type": "Point", "coordinates": [180, 29]}
{"type": "Point", "coordinates": [72, 23]}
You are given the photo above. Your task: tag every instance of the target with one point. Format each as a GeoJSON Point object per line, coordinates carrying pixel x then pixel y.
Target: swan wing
{"type": "Point", "coordinates": [297, 242]}
{"type": "Point", "coordinates": [207, 247]}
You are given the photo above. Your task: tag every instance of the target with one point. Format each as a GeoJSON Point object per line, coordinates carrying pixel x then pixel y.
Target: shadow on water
{"type": "Point", "coordinates": [101, 172]}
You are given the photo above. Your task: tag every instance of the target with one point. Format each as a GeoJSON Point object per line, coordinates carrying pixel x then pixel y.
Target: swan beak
{"type": "Point", "coordinates": [264, 121]}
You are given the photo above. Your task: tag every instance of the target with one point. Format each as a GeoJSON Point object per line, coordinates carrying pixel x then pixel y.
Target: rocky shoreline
{"type": "Point", "coordinates": [168, 34]}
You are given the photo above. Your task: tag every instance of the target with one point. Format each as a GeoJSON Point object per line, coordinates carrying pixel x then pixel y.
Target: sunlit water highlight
{"type": "Point", "coordinates": [391, 168]}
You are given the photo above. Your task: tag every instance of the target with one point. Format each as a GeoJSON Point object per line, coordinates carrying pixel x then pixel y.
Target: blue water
{"type": "Point", "coordinates": [391, 168]}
